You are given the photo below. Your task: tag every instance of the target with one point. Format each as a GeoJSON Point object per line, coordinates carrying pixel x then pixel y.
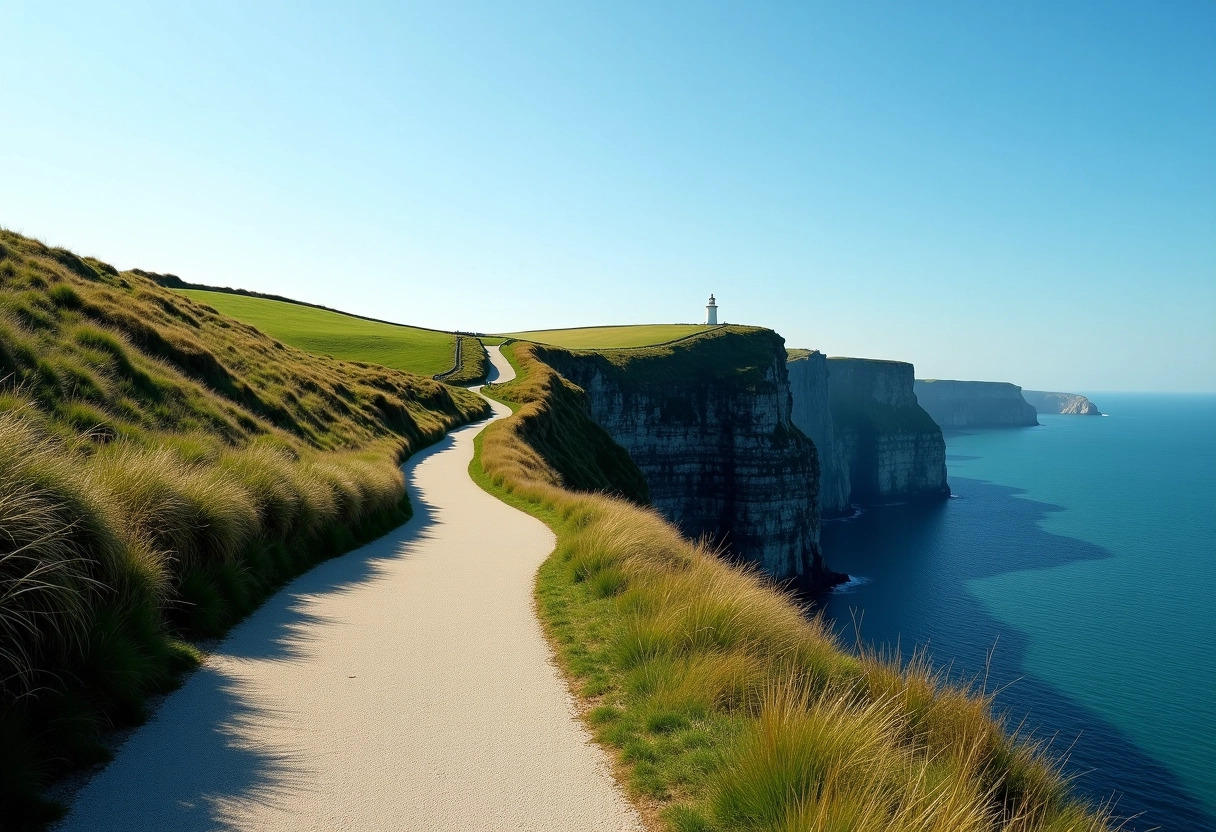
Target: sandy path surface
{"type": "Point", "coordinates": [405, 685]}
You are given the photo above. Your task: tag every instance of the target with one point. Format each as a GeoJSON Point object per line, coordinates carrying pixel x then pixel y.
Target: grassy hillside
{"type": "Point", "coordinates": [423, 351]}
{"type": "Point", "coordinates": [162, 469]}
{"type": "Point", "coordinates": [610, 337]}
{"type": "Point", "coordinates": [725, 707]}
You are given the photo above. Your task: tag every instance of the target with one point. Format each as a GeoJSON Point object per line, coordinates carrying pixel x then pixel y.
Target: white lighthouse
{"type": "Point", "coordinates": [711, 311]}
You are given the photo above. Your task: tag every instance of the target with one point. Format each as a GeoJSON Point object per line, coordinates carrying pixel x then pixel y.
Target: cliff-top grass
{"type": "Point", "coordinates": [610, 337]}
{"type": "Point", "coordinates": [726, 354]}
{"type": "Point", "coordinates": [162, 469]}
{"type": "Point", "coordinates": [412, 349]}
{"type": "Point", "coordinates": [724, 705]}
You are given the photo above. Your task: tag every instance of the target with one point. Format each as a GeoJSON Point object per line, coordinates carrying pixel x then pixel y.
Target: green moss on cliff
{"type": "Point", "coordinates": [858, 410]}
{"type": "Point", "coordinates": [734, 355]}
{"type": "Point", "coordinates": [873, 418]}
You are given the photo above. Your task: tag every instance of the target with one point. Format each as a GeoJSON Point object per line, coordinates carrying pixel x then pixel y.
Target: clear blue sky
{"type": "Point", "coordinates": [1021, 191]}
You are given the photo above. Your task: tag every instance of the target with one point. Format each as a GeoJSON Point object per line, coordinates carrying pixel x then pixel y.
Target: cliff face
{"type": "Point", "coordinates": [707, 421]}
{"type": "Point", "coordinates": [963, 404]}
{"type": "Point", "coordinates": [812, 413]}
{"type": "Point", "coordinates": [892, 448]}
{"type": "Point", "coordinates": [1067, 403]}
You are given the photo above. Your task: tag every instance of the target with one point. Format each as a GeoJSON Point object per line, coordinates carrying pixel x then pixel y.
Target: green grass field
{"type": "Point", "coordinates": [610, 337]}
{"type": "Point", "coordinates": [345, 337]}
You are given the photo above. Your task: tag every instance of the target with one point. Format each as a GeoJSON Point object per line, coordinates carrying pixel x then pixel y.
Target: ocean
{"type": "Point", "coordinates": [1081, 557]}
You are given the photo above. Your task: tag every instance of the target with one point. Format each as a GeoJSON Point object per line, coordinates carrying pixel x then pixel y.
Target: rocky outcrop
{"type": "Point", "coordinates": [1068, 403]}
{"type": "Point", "coordinates": [892, 448]}
{"type": "Point", "coordinates": [812, 413]}
{"type": "Point", "coordinates": [974, 404]}
{"type": "Point", "coordinates": [708, 422]}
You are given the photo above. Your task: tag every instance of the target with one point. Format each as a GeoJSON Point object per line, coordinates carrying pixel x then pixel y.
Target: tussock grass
{"type": "Point", "coordinates": [162, 470]}
{"type": "Point", "coordinates": [727, 707]}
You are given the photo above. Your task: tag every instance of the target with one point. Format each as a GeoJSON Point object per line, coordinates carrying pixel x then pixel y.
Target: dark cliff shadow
{"type": "Point", "coordinates": [916, 560]}
{"type": "Point", "coordinates": [193, 763]}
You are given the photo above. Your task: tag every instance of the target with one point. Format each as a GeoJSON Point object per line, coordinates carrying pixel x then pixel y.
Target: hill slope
{"type": "Point", "coordinates": [163, 468]}
{"type": "Point", "coordinates": [423, 351]}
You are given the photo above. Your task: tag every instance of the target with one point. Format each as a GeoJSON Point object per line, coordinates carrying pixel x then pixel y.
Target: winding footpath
{"type": "Point", "coordinates": [403, 686]}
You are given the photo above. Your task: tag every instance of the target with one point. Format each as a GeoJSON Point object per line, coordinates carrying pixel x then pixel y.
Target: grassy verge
{"type": "Point", "coordinates": [474, 363]}
{"type": "Point", "coordinates": [724, 706]}
{"type": "Point", "coordinates": [163, 469]}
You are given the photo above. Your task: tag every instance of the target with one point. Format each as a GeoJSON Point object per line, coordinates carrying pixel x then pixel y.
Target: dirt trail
{"type": "Point", "coordinates": [403, 686]}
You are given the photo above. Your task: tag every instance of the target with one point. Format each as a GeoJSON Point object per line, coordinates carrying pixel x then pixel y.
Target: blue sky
{"type": "Point", "coordinates": [1009, 191]}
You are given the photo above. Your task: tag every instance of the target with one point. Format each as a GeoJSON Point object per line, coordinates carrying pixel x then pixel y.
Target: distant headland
{"type": "Point", "coordinates": [1072, 404]}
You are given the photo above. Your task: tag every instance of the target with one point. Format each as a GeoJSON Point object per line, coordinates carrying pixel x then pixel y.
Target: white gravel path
{"type": "Point", "coordinates": [404, 686]}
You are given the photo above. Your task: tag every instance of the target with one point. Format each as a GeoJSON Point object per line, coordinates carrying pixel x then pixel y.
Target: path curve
{"type": "Point", "coordinates": [403, 686]}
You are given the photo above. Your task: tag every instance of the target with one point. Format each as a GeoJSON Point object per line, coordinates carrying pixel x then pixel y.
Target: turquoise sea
{"type": "Point", "coordinates": [1082, 554]}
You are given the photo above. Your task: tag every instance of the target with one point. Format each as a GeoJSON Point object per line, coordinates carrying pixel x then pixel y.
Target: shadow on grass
{"type": "Point", "coordinates": [918, 559]}
{"type": "Point", "coordinates": [193, 766]}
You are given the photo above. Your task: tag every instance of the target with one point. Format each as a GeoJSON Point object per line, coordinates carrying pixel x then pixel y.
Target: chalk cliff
{"type": "Point", "coordinates": [708, 422]}
{"type": "Point", "coordinates": [893, 449]}
{"type": "Point", "coordinates": [963, 404]}
{"type": "Point", "coordinates": [1067, 403]}
{"type": "Point", "coordinates": [812, 413]}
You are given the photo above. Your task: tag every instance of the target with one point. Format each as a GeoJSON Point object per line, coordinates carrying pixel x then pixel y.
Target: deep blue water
{"type": "Point", "coordinates": [1082, 553]}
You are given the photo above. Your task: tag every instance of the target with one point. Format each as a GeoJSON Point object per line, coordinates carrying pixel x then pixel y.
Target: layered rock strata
{"type": "Point", "coordinates": [975, 404]}
{"type": "Point", "coordinates": [1067, 403]}
{"type": "Point", "coordinates": [812, 413]}
{"type": "Point", "coordinates": [892, 448]}
{"type": "Point", "coordinates": [708, 423]}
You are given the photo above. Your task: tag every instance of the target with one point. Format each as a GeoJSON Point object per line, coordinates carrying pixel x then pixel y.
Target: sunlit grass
{"type": "Point", "coordinates": [413, 349]}
{"type": "Point", "coordinates": [607, 337]}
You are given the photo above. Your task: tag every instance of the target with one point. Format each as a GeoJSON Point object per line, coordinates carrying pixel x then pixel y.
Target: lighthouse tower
{"type": "Point", "coordinates": [711, 311]}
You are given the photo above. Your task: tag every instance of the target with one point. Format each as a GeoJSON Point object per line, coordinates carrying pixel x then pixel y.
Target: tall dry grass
{"type": "Point", "coordinates": [727, 706]}
{"type": "Point", "coordinates": [107, 558]}
{"type": "Point", "coordinates": [162, 470]}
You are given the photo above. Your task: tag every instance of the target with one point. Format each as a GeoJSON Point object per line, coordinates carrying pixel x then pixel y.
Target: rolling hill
{"type": "Point", "coordinates": [413, 349]}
